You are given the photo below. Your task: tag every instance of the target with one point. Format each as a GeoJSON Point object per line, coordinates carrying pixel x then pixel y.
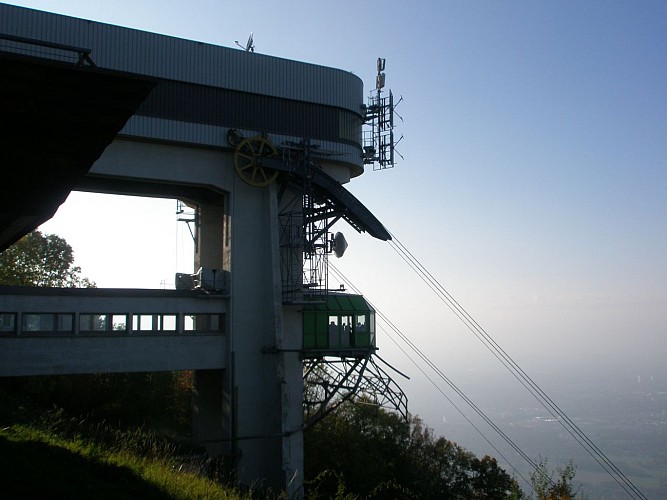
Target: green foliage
{"type": "Point", "coordinates": [374, 451]}
{"type": "Point", "coordinates": [546, 488]}
{"type": "Point", "coordinates": [60, 457]}
{"type": "Point", "coordinates": [46, 453]}
{"type": "Point", "coordinates": [41, 260]}
{"type": "Point", "coordinates": [158, 399]}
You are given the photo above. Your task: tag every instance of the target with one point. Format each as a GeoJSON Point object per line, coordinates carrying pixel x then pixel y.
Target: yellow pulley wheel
{"type": "Point", "coordinates": [247, 161]}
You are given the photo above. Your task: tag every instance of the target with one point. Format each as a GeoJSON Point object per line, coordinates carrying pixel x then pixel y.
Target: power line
{"type": "Point", "coordinates": [515, 370]}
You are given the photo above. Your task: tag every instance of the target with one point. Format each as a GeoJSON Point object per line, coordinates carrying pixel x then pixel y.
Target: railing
{"type": "Point", "coordinates": [28, 46]}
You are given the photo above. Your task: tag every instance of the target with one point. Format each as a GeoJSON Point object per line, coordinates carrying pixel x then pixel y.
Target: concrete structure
{"type": "Point", "coordinates": [188, 106]}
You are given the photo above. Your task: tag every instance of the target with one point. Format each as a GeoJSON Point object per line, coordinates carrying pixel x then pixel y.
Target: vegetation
{"type": "Point", "coordinates": [158, 400]}
{"type": "Point", "coordinates": [68, 458]}
{"type": "Point", "coordinates": [119, 447]}
{"type": "Point", "coordinates": [546, 488]}
{"type": "Point", "coordinates": [371, 453]}
{"type": "Point", "coordinates": [41, 260]}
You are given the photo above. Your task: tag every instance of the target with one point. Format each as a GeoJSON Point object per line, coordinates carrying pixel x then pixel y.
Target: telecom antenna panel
{"type": "Point", "coordinates": [379, 143]}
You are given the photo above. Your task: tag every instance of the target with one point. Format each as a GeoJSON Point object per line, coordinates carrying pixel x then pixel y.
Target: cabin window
{"type": "Point", "coordinates": [346, 337]}
{"type": "Point", "coordinates": [334, 331]}
{"type": "Point", "coordinates": [361, 334]}
{"type": "Point", "coordinates": [344, 323]}
{"type": "Point", "coordinates": [372, 329]}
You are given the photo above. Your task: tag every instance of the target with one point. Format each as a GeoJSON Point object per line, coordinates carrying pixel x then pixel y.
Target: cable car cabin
{"type": "Point", "coordinates": [344, 325]}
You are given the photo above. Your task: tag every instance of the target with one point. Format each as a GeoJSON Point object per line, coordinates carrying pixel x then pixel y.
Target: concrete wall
{"type": "Point", "coordinates": [66, 355]}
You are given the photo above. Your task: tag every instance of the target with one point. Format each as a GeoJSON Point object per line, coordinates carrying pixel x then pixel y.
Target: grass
{"type": "Point", "coordinates": [60, 458]}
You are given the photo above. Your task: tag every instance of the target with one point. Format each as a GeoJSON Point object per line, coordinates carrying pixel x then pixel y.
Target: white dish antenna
{"type": "Point", "coordinates": [339, 245]}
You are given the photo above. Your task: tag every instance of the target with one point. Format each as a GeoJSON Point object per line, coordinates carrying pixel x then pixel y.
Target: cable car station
{"type": "Point", "coordinates": [259, 148]}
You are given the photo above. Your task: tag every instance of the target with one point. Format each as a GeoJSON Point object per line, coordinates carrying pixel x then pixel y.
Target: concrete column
{"type": "Point", "coordinates": [267, 378]}
{"type": "Point", "coordinates": [209, 423]}
{"type": "Point", "coordinates": [292, 401]}
{"type": "Point", "coordinates": [288, 334]}
{"type": "Point", "coordinates": [212, 420]}
{"type": "Point", "coordinates": [213, 245]}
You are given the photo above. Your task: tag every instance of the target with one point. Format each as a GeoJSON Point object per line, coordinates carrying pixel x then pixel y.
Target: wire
{"type": "Point", "coordinates": [341, 277]}
{"type": "Point", "coordinates": [515, 370]}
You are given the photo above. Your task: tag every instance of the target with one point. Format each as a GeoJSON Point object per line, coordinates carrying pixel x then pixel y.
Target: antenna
{"type": "Point", "coordinates": [379, 144]}
{"type": "Point", "coordinates": [250, 44]}
{"type": "Point", "coordinates": [339, 244]}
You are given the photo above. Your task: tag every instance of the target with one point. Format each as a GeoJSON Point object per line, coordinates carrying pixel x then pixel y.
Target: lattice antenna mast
{"type": "Point", "coordinates": [379, 143]}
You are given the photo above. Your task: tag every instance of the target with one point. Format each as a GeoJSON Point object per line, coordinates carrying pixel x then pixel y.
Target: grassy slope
{"type": "Point", "coordinates": [37, 464]}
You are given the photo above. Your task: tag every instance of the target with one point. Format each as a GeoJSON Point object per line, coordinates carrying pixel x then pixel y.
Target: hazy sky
{"type": "Point", "coordinates": [534, 185]}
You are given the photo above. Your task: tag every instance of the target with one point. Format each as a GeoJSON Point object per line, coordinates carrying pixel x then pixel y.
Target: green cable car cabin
{"type": "Point", "coordinates": [342, 325]}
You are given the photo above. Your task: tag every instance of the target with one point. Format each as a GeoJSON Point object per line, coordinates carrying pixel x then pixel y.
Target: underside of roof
{"type": "Point", "coordinates": [56, 120]}
{"type": "Point", "coordinates": [341, 303]}
{"type": "Point", "coordinates": [335, 200]}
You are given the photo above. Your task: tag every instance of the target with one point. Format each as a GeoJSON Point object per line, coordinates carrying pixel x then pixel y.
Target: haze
{"type": "Point", "coordinates": [533, 188]}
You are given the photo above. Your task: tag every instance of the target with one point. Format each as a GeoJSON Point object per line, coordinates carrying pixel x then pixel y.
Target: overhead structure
{"type": "Point", "coordinates": [259, 165]}
{"type": "Point", "coordinates": [57, 119]}
{"type": "Point", "coordinates": [314, 203]}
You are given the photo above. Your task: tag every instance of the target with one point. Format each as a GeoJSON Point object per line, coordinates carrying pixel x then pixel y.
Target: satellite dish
{"type": "Point", "coordinates": [339, 245]}
{"type": "Point", "coordinates": [249, 46]}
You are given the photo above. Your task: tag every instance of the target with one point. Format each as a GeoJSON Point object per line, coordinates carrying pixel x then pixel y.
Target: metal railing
{"type": "Point", "coordinates": [28, 46]}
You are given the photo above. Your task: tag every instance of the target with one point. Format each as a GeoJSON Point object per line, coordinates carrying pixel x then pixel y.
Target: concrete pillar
{"type": "Point", "coordinates": [267, 379]}
{"type": "Point", "coordinates": [213, 242]}
{"type": "Point", "coordinates": [292, 401]}
{"type": "Point", "coordinates": [260, 395]}
{"type": "Point", "coordinates": [212, 419]}
{"type": "Point", "coordinates": [209, 423]}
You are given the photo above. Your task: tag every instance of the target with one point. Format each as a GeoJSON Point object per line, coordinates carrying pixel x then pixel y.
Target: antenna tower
{"type": "Point", "coordinates": [379, 143]}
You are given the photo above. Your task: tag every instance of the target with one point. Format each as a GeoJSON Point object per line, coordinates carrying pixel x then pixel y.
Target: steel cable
{"type": "Point", "coordinates": [516, 370]}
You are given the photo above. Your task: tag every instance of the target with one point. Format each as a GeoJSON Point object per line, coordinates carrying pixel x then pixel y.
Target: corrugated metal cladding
{"type": "Point", "coordinates": [185, 102]}
{"type": "Point", "coordinates": [172, 58]}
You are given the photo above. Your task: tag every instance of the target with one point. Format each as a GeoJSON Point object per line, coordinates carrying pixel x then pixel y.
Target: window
{"type": "Point", "coordinates": [7, 323]}
{"type": "Point", "coordinates": [93, 322]}
{"type": "Point", "coordinates": [99, 323]}
{"type": "Point", "coordinates": [200, 323]}
{"type": "Point", "coordinates": [334, 332]}
{"type": "Point", "coordinates": [154, 323]}
{"type": "Point", "coordinates": [48, 323]}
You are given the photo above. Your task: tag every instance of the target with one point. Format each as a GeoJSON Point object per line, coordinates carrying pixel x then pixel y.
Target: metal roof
{"type": "Point", "coordinates": [341, 303]}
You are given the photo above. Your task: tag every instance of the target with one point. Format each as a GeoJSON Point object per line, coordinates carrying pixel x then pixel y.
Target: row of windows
{"type": "Point", "coordinates": [111, 323]}
{"type": "Point", "coordinates": [339, 332]}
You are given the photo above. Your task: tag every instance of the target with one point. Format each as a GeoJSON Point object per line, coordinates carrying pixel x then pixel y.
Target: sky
{"type": "Point", "coordinates": [533, 184]}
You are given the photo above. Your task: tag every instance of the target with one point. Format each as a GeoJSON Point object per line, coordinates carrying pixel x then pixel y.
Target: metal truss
{"type": "Point", "coordinates": [378, 141]}
{"type": "Point", "coordinates": [329, 382]}
{"type": "Point", "coordinates": [305, 221]}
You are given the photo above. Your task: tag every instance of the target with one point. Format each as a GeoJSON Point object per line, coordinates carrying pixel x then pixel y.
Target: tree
{"type": "Point", "coordinates": [375, 452]}
{"type": "Point", "coordinates": [547, 489]}
{"type": "Point", "coordinates": [41, 260]}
